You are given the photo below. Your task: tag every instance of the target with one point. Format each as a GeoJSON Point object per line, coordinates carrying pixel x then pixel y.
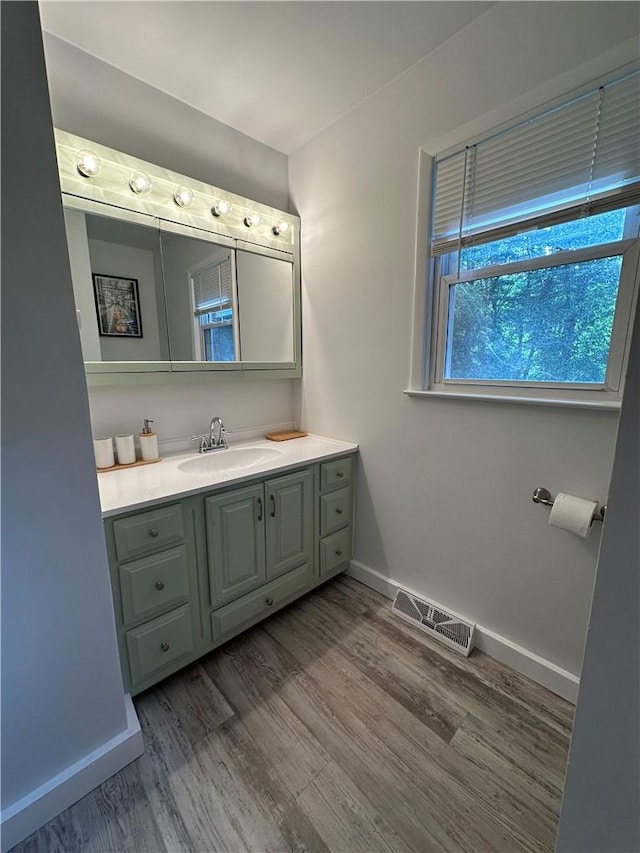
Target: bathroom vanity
{"type": "Point", "coordinates": [201, 547]}
{"type": "Point", "coordinates": [174, 281]}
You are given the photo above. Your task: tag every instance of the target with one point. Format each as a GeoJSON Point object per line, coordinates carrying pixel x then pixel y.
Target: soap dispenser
{"type": "Point", "coordinates": [148, 442]}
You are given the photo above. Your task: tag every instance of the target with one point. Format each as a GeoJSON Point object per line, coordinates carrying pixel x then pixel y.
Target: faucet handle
{"type": "Point", "coordinates": [222, 441]}
{"type": "Point", "coordinates": [203, 442]}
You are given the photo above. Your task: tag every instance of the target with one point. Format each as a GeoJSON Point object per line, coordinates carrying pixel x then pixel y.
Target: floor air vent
{"type": "Point", "coordinates": [445, 627]}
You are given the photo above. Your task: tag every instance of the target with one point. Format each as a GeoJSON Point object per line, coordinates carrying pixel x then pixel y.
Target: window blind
{"type": "Point", "coordinates": [212, 287]}
{"type": "Point", "coordinates": [579, 158]}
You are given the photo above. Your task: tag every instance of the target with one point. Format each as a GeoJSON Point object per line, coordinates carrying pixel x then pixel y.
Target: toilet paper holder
{"type": "Point", "coordinates": [543, 496]}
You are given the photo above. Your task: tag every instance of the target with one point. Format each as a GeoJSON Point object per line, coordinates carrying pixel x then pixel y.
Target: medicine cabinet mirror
{"type": "Point", "coordinates": [165, 296]}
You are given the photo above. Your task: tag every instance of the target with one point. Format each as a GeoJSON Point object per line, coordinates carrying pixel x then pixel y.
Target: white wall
{"type": "Point", "coordinates": [113, 259]}
{"type": "Point", "coordinates": [186, 409]}
{"type": "Point", "coordinates": [62, 694]}
{"type": "Point", "coordinates": [265, 307]}
{"type": "Point", "coordinates": [99, 102]}
{"type": "Point", "coordinates": [444, 491]}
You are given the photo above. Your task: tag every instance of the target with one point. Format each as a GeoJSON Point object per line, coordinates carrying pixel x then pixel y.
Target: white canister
{"type": "Point", "coordinates": [103, 450]}
{"type": "Point", "coordinates": [126, 449]}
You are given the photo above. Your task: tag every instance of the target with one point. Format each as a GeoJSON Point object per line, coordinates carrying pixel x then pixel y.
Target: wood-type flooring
{"type": "Point", "coordinates": [332, 726]}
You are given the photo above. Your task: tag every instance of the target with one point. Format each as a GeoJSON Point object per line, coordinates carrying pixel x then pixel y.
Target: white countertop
{"type": "Point", "coordinates": [146, 485]}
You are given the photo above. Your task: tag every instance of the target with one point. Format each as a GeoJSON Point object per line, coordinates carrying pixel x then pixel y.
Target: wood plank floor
{"type": "Point", "coordinates": [333, 726]}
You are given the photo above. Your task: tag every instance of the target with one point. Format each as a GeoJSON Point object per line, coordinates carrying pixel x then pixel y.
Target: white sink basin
{"type": "Point", "coordinates": [232, 459]}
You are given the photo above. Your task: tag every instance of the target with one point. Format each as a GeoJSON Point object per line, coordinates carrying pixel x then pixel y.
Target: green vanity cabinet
{"type": "Point", "coordinates": [155, 591]}
{"type": "Point", "coordinates": [289, 516]}
{"type": "Point", "coordinates": [235, 542]}
{"type": "Point", "coordinates": [192, 573]}
{"type": "Point", "coordinates": [258, 533]}
{"type": "Point", "coordinates": [282, 525]}
{"type": "Point", "coordinates": [336, 507]}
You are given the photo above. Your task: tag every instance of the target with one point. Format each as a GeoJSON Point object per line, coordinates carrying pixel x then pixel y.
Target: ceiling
{"type": "Point", "coordinates": [279, 72]}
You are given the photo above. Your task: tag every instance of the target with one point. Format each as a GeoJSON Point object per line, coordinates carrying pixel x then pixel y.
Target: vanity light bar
{"type": "Point", "coordinates": [91, 170]}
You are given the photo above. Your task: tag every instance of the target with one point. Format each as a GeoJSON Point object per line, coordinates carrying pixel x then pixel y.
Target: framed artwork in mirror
{"type": "Point", "coordinates": [117, 306]}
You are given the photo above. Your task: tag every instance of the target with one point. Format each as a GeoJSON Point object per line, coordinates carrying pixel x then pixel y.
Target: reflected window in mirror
{"type": "Point", "coordinates": [213, 297]}
{"type": "Point", "coordinates": [199, 278]}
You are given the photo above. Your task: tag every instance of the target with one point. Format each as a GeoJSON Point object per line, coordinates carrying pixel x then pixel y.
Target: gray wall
{"type": "Point", "coordinates": [601, 805]}
{"type": "Point", "coordinates": [101, 103]}
{"type": "Point", "coordinates": [62, 693]}
{"type": "Point", "coordinates": [444, 494]}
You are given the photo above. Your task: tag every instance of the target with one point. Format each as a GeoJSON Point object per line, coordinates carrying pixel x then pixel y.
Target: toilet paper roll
{"type": "Point", "coordinates": [126, 449]}
{"type": "Point", "coordinates": [574, 514]}
{"type": "Point", "coordinates": [103, 450]}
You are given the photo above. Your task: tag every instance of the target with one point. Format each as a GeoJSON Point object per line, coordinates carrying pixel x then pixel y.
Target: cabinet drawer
{"type": "Point", "coordinates": [249, 609]}
{"type": "Point", "coordinates": [154, 583]}
{"type": "Point", "coordinates": [147, 531]}
{"type": "Point", "coordinates": [336, 473]}
{"type": "Point", "coordinates": [335, 550]}
{"type": "Point", "coordinates": [335, 511]}
{"type": "Point", "coordinates": [160, 642]}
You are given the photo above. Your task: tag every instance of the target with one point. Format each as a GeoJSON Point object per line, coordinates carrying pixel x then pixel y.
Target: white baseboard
{"type": "Point", "coordinates": [527, 663]}
{"type": "Point", "coordinates": [38, 807]}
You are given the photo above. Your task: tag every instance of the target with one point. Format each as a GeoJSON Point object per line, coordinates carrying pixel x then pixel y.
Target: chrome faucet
{"type": "Point", "coordinates": [217, 439]}
{"type": "Point", "coordinates": [217, 436]}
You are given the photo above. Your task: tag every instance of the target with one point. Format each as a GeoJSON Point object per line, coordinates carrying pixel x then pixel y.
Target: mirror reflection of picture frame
{"type": "Point", "coordinates": [117, 306]}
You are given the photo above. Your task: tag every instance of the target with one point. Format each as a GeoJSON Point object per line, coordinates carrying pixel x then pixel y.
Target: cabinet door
{"type": "Point", "coordinates": [289, 522]}
{"type": "Point", "coordinates": [235, 537]}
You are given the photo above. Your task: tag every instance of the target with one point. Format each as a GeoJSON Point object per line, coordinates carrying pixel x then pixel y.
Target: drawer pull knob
{"type": "Point", "coordinates": [159, 585]}
{"type": "Point", "coordinates": [338, 511]}
{"type": "Point", "coordinates": [165, 647]}
{"type": "Point", "coordinates": [153, 532]}
{"type": "Point", "coordinates": [338, 552]}
{"type": "Point", "coordinates": [268, 601]}
{"type": "Point", "coordinates": [339, 474]}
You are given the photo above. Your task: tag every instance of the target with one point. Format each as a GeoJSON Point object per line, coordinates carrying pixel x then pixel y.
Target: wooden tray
{"type": "Point", "coordinates": [130, 465]}
{"type": "Point", "coordinates": [285, 435]}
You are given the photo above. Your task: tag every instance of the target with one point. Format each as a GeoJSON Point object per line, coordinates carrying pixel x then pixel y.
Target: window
{"type": "Point", "coordinates": [215, 332]}
{"type": "Point", "coordinates": [534, 253]}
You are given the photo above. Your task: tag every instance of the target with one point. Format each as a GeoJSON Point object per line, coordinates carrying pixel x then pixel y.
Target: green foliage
{"type": "Point", "coordinates": [546, 325]}
{"type": "Point", "coordinates": [591, 231]}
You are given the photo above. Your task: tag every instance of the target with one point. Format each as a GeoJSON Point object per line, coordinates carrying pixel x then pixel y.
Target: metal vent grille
{"type": "Point", "coordinates": [445, 627]}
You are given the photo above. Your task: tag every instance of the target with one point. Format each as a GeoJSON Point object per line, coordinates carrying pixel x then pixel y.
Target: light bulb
{"type": "Point", "coordinates": [183, 197]}
{"type": "Point", "coordinates": [88, 164]}
{"type": "Point", "coordinates": [280, 228]}
{"type": "Point", "coordinates": [251, 220]}
{"type": "Point", "coordinates": [140, 183]}
{"type": "Point", "coordinates": [221, 208]}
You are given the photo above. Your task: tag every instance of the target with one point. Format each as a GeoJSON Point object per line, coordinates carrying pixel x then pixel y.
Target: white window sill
{"type": "Point", "coordinates": [597, 405]}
